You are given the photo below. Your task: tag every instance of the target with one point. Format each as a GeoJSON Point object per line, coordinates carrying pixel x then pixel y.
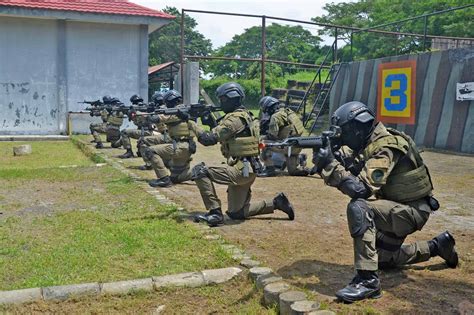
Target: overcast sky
{"type": "Point", "coordinates": [220, 29]}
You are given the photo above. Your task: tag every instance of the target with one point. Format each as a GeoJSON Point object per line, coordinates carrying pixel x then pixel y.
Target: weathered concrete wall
{"type": "Point", "coordinates": [191, 83]}
{"type": "Point", "coordinates": [103, 59]}
{"type": "Point", "coordinates": [28, 76]}
{"type": "Point", "coordinates": [441, 121]}
{"type": "Point", "coordinates": [50, 65]}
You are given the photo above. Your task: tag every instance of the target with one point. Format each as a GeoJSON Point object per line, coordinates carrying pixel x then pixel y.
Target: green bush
{"type": "Point", "coordinates": [252, 86]}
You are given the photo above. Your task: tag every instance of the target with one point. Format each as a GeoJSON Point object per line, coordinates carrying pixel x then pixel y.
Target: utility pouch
{"type": "Point", "coordinates": [246, 168]}
{"type": "Point", "coordinates": [192, 147]}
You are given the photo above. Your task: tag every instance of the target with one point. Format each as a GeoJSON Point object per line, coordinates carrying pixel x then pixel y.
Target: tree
{"type": "Point", "coordinates": [290, 43]}
{"type": "Point", "coordinates": [368, 13]}
{"type": "Point", "coordinates": [165, 44]}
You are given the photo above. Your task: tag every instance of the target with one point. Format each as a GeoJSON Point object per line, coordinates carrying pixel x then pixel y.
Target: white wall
{"type": "Point", "coordinates": [28, 76]}
{"type": "Point", "coordinates": [47, 66]}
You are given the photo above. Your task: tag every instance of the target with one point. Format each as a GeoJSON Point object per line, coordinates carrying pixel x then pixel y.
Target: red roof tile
{"type": "Point", "coordinates": [91, 6]}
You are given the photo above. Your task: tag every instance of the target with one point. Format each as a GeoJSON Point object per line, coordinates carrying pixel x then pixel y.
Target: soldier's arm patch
{"type": "Point", "coordinates": [377, 176]}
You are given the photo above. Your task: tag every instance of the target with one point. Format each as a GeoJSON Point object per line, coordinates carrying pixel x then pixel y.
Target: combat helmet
{"type": "Point", "coordinates": [172, 98]}
{"type": "Point", "coordinates": [269, 104]}
{"type": "Point", "coordinates": [356, 122]}
{"type": "Point", "coordinates": [157, 98]}
{"type": "Point", "coordinates": [230, 96]}
{"type": "Point", "coordinates": [136, 99]}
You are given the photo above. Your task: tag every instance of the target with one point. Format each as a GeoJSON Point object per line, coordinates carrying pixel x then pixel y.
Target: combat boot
{"type": "Point", "coordinates": [161, 182]}
{"type": "Point", "coordinates": [127, 155]}
{"type": "Point", "coordinates": [301, 172]}
{"type": "Point", "coordinates": [213, 218]}
{"type": "Point", "coordinates": [99, 145]}
{"type": "Point", "coordinates": [281, 202]}
{"type": "Point", "coordinates": [443, 246]}
{"type": "Point", "coordinates": [116, 144]}
{"type": "Point", "coordinates": [365, 285]}
{"type": "Point", "coordinates": [139, 153]}
{"type": "Point", "coordinates": [145, 167]}
{"type": "Point", "coordinates": [268, 171]}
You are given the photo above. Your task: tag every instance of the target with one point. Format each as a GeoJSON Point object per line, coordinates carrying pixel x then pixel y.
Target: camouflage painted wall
{"type": "Point", "coordinates": [441, 121]}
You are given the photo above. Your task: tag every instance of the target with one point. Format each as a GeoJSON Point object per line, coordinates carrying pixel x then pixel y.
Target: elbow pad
{"type": "Point", "coordinates": [354, 188]}
{"type": "Point", "coordinates": [207, 138]}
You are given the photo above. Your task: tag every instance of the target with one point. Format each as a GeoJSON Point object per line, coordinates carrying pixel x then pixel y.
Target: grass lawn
{"type": "Point", "coordinates": [63, 225]}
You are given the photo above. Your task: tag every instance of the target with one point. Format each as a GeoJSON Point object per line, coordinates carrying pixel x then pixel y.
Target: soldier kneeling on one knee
{"type": "Point", "coordinates": [238, 134]}
{"type": "Point", "coordinates": [370, 160]}
{"type": "Point", "coordinates": [279, 123]}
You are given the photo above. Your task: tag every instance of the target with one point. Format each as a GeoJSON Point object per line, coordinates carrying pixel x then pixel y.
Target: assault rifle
{"type": "Point", "coordinates": [96, 103]}
{"type": "Point", "coordinates": [309, 142]}
{"type": "Point", "coordinates": [207, 113]}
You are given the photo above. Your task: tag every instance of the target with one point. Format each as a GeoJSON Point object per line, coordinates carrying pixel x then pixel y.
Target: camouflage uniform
{"type": "Point", "coordinates": [237, 133]}
{"type": "Point", "coordinates": [98, 128]}
{"type": "Point", "coordinates": [283, 124]}
{"type": "Point", "coordinates": [392, 169]}
{"type": "Point", "coordinates": [114, 123]}
{"type": "Point", "coordinates": [139, 121]}
{"type": "Point", "coordinates": [176, 153]}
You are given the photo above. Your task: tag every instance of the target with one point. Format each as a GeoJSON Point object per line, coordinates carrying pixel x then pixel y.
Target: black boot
{"type": "Point", "coordinates": [145, 167]}
{"type": "Point", "coordinates": [127, 155]}
{"type": "Point", "coordinates": [268, 171]}
{"type": "Point", "coordinates": [281, 202]}
{"type": "Point", "coordinates": [213, 218]}
{"type": "Point", "coordinates": [99, 145]}
{"type": "Point", "coordinates": [161, 182]}
{"type": "Point", "coordinates": [301, 172]}
{"type": "Point", "coordinates": [139, 154]}
{"type": "Point", "coordinates": [365, 285]}
{"type": "Point", "coordinates": [443, 246]}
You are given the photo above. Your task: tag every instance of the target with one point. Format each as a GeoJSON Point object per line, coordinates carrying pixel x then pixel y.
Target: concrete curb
{"type": "Point", "coordinates": [34, 138]}
{"type": "Point", "coordinates": [64, 292]}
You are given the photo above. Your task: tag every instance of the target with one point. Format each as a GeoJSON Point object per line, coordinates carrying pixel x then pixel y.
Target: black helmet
{"type": "Point", "coordinates": [230, 96]}
{"type": "Point", "coordinates": [269, 104]}
{"type": "Point", "coordinates": [157, 98]}
{"type": "Point", "coordinates": [356, 122]}
{"type": "Point", "coordinates": [172, 98]}
{"type": "Point", "coordinates": [107, 99]}
{"type": "Point", "coordinates": [114, 100]}
{"type": "Point", "coordinates": [135, 99]}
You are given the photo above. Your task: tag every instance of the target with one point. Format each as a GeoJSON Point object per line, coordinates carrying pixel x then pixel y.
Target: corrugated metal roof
{"type": "Point", "coordinates": [122, 7]}
{"type": "Point", "coordinates": [157, 68]}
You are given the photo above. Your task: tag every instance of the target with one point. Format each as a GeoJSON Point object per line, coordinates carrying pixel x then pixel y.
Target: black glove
{"type": "Point", "coordinates": [207, 138]}
{"type": "Point", "coordinates": [155, 119]}
{"type": "Point", "coordinates": [323, 157]}
{"type": "Point", "coordinates": [182, 115]}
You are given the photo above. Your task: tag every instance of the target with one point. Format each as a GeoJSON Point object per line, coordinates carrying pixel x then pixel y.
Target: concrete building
{"type": "Point", "coordinates": [56, 53]}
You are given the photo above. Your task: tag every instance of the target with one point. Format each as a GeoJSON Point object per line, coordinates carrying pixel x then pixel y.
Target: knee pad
{"type": "Point", "coordinates": [199, 171]}
{"type": "Point", "coordinates": [359, 217]}
{"type": "Point", "coordinates": [147, 153]}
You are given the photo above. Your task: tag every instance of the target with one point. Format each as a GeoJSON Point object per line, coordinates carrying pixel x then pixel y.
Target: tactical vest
{"type": "Point", "coordinates": [293, 127]}
{"type": "Point", "coordinates": [140, 121]}
{"type": "Point", "coordinates": [179, 130]}
{"type": "Point", "coordinates": [115, 119]}
{"type": "Point", "coordinates": [104, 115]}
{"type": "Point", "coordinates": [409, 179]}
{"type": "Point", "coordinates": [295, 122]}
{"type": "Point", "coordinates": [243, 144]}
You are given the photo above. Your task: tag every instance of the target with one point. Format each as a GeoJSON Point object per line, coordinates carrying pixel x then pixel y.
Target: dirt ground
{"type": "Point", "coordinates": [314, 252]}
